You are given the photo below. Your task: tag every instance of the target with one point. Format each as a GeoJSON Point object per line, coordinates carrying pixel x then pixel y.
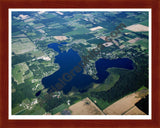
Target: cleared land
{"type": "Point", "coordinates": [23, 17]}
{"type": "Point", "coordinates": [20, 36]}
{"type": "Point", "coordinates": [29, 20]}
{"type": "Point", "coordinates": [41, 12]}
{"type": "Point", "coordinates": [60, 38]}
{"type": "Point", "coordinates": [85, 107]}
{"type": "Point", "coordinates": [137, 28]}
{"type": "Point", "coordinates": [134, 40]}
{"type": "Point", "coordinates": [108, 44]}
{"type": "Point", "coordinates": [126, 104]}
{"type": "Point", "coordinates": [121, 47]}
{"type": "Point", "coordinates": [135, 111]}
{"type": "Point", "coordinates": [25, 45]}
{"type": "Point", "coordinates": [103, 37]}
{"type": "Point", "coordinates": [115, 42]}
{"type": "Point", "coordinates": [59, 13]}
{"type": "Point", "coordinates": [96, 28]}
{"type": "Point", "coordinates": [19, 71]}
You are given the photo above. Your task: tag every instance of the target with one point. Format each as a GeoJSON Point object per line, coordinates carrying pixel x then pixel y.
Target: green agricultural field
{"type": "Point", "coordinates": [23, 47]}
{"type": "Point", "coordinates": [59, 108]}
{"type": "Point", "coordinates": [38, 25]}
{"type": "Point", "coordinates": [31, 34]}
{"type": "Point", "coordinates": [17, 109]}
{"type": "Point", "coordinates": [37, 53]}
{"type": "Point", "coordinates": [100, 103]}
{"type": "Point", "coordinates": [16, 33]}
{"type": "Point", "coordinates": [109, 82]}
{"type": "Point", "coordinates": [25, 40]}
{"type": "Point", "coordinates": [141, 88]}
{"type": "Point", "coordinates": [143, 43]}
{"type": "Point", "coordinates": [144, 22]}
{"type": "Point", "coordinates": [15, 40]}
{"type": "Point", "coordinates": [48, 16]}
{"type": "Point", "coordinates": [36, 110]}
{"type": "Point", "coordinates": [77, 31]}
{"type": "Point", "coordinates": [54, 25]}
{"type": "Point", "coordinates": [18, 72]}
{"type": "Point", "coordinates": [20, 112]}
{"type": "Point", "coordinates": [28, 74]}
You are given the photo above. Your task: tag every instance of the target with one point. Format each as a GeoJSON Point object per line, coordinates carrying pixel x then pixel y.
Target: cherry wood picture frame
{"type": "Point", "coordinates": [154, 5]}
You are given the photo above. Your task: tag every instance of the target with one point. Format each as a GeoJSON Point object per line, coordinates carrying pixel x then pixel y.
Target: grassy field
{"type": "Point", "coordinates": [77, 32]}
{"type": "Point", "coordinates": [17, 109]}
{"type": "Point", "coordinates": [59, 108]}
{"type": "Point", "coordinates": [36, 110]}
{"type": "Point", "coordinates": [31, 34]}
{"type": "Point", "coordinates": [49, 15]}
{"type": "Point", "coordinates": [100, 103]}
{"type": "Point", "coordinates": [145, 22]}
{"type": "Point", "coordinates": [109, 82]}
{"type": "Point", "coordinates": [25, 45]}
{"type": "Point", "coordinates": [143, 87]}
{"type": "Point", "coordinates": [18, 72]}
{"type": "Point", "coordinates": [37, 53]}
{"type": "Point", "coordinates": [143, 43]}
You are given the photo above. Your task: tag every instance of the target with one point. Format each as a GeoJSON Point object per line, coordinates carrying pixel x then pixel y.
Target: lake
{"type": "Point", "coordinates": [67, 76]}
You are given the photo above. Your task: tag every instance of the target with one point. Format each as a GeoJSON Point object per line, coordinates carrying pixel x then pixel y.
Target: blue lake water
{"type": "Point", "coordinates": [103, 64]}
{"type": "Point", "coordinates": [67, 76]}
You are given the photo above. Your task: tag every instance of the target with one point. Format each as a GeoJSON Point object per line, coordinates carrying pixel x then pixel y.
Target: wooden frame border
{"type": "Point", "coordinates": [6, 4]}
